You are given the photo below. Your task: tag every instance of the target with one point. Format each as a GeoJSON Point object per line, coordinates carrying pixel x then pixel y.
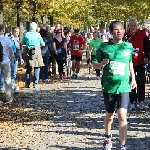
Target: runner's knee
{"type": "Point", "coordinates": [122, 114]}
{"type": "Point", "coordinates": [109, 116]}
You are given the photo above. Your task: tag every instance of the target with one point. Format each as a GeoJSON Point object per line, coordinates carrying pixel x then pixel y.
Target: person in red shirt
{"type": "Point", "coordinates": [141, 49]}
{"type": "Point", "coordinates": [76, 46]}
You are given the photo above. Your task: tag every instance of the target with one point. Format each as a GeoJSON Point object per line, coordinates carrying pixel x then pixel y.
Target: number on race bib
{"type": "Point", "coordinates": [117, 68]}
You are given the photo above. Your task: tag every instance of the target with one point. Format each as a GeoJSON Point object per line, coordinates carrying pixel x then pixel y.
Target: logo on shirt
{"type": "Point", "coordinates": [135, 51]}
{"type": "Point", "coordinates": [76, 45]}
{"type": "Point", "coordinates": [126, 53]}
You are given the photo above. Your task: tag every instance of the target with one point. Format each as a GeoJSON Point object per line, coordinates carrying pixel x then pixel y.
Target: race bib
{"type": "Point", "coordinates": [135, 51]}
{"type": "Point", "coordinates": [76, 45]}
{"type": "Point", "coordinates": [117, 68]}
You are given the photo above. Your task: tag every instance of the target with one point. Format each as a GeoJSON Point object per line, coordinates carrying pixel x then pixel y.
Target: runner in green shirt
{"type": "Point", "coordinates": [94, 45]}
{"type": "Point", "coordinates": [116, 59]}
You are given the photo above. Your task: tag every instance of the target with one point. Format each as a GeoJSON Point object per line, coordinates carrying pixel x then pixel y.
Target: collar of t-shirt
{"type": "Point", "coordinates": [31, 30]}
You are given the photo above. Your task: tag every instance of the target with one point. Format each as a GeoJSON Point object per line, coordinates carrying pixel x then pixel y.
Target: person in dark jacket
{"type": "Point", "coordinates": [52, 58]}
{"type": "Point", "coordinates": [46, 55]}
{"type": "Point", "coordinates": [141, 47]}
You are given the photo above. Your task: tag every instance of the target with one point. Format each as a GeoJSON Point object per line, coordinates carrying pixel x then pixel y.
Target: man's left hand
{"type": "Point", "coordinates": [133, 84]}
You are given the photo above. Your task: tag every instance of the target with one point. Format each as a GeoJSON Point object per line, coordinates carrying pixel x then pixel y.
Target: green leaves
{"type": "Point", "coordinates": [79, 12]}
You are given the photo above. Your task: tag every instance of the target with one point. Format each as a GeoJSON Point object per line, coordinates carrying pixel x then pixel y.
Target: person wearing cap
{"type": "Point", "coordinates": [76, 45]}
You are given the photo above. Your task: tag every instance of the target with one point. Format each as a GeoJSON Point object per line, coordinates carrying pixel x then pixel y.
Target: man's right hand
{"type": "Point", "coordinates": [104, 62]}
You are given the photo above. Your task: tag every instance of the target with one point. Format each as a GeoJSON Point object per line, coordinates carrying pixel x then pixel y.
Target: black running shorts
{"type": "Point", "coordinates": [76, 58]}
{"type": "Point", "coordinates": [110, 101]}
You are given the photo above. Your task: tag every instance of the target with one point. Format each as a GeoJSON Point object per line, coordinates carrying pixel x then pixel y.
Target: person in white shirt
{"type": "Point", "coordinates": [102, 31]}
{"type": "Point", "coordinates": [5, 64]}
{"type": "Point", "coordinates": [18, 55]}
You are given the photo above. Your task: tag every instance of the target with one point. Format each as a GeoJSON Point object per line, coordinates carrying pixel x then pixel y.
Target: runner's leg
{"type": "Point", "coordinates": [73, 64]}
{"type": "Point", "coordinates": [110, 102]}
{"type": "Point", "coordinates": [78, 63]}
{"type": "Point", "coordinates": [122, 105]}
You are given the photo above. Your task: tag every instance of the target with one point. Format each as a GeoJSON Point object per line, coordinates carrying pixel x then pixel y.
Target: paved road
{"type": "Point", "coordinates": [65, 116]}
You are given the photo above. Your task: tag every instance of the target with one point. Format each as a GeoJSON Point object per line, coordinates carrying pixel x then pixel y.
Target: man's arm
{"type": "Point", "coordinates": [11, 52]}
{"type": "Point", "coordinates": [84, 46]}
{"type": "Point", "coordinates": [83, 43]}
{"type": "Point", "coordinates": [65, 46]}
{"type": "Point", "coordinates": [97, 65]}
{"type": "Point", "coordinates": [132, 75]}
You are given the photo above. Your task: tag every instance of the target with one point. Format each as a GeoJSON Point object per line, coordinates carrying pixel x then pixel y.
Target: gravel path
{"type": "Point", "coordinates": [65, 116]}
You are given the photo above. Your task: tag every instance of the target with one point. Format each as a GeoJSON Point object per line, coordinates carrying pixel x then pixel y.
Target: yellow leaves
{"type": "Point", "coordinates": [77, 12]}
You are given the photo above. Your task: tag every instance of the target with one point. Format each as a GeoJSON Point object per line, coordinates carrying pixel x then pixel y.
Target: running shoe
{"type": "Point", "coordinates": [64, 77]}
{"type": "Point", "coordinates": [98, 77]}
{"type": "Point", "coordinates": [123, 148]}
{"type": "Point", "coordinates": [133, 107]}
{"type": "Point", "coordinates": [142, 106]}
{"type": "Point", "coordinates": [107, 144]}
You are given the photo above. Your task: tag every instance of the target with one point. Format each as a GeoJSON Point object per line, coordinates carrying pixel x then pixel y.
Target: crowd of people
{"type": "Point", "coordinates": [120, 55]}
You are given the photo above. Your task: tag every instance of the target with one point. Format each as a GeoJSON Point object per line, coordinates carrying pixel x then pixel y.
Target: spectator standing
{"type": "Point", "coordinates": [52, 58]}
{"type": "Point", "coordinates": [141, 46]}
{"type": "Point", "coordinates": [33, 42]}
{"type": "Point", "coordinates": [60, 47]}
{"type": "Point", "coordinates": [5, 64]}
{"type": "Point", "coordinates": [46, 55]}
{"type": "Point", "coordinates": [18, 54]}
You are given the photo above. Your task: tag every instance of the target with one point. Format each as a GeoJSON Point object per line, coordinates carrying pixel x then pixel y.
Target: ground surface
{"type": "Point", "coordinates": [65, 116]}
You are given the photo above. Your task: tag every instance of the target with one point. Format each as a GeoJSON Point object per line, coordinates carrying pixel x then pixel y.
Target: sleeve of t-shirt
{"type": "Point", "coordinates": [99, 56]}
{"type": "Point", "coordinates": [9, 44]}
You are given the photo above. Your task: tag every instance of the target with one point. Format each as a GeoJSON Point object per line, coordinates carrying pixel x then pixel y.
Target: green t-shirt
{"type": "Point", "coordinates": [95, 44]}
{"type": "Point", "coordinates": [32, 39]}
{"type": "Point", "coordinates": [116, 72]}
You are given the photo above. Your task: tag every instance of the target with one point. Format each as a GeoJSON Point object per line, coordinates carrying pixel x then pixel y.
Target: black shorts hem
{"type": "Point", "coordinates": [110, 101]}
{"type": "Point", "coordinates": [76, 58]}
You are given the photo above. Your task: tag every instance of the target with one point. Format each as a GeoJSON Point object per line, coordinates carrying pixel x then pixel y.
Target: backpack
{"type": "Point", "coordinates": [1, 52]}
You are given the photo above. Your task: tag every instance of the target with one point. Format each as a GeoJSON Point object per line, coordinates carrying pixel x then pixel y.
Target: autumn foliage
{"type": "Point", "coordinates": [78, 12]}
